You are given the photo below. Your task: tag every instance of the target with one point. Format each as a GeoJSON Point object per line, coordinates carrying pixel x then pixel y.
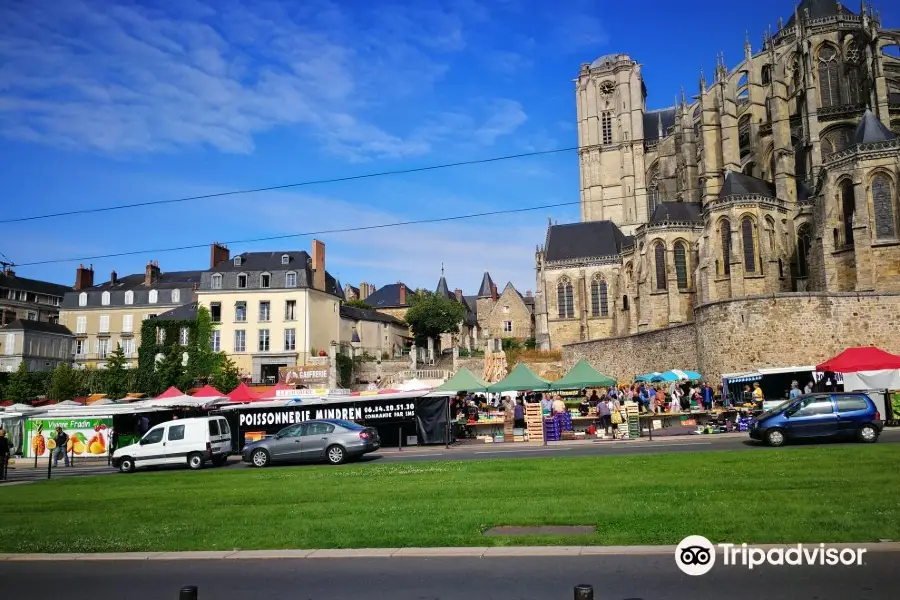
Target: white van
{"type": "Point", "coordinates": [189, 442]}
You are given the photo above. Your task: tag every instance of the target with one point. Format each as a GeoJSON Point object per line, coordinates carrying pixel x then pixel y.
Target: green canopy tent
{"type": "Point", "coordinates": [463, 381]}
{"type": "Point", "coordinates": [582, 376]}
{"type": "Point", "coordinates": [520, 378]}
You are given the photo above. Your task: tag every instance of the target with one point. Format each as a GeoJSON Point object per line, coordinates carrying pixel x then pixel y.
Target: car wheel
{"type": "Point", "coordinates": [195, 461]}
{"type": "Point", "coordinates": [335, 455]}
{"type": "Point", "coordinates": [775, 437]}
{"type": "Point", "coordinates": [867, 434]}
{"type": "Point", "coordinates": [126, 465]}
{"type": "Point", "coordinates": [259, 458]}
{"type": "Point", "coordinates": [220, 460]}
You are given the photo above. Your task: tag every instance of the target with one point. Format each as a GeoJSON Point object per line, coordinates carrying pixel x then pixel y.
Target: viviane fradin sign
{"type": "Point", "coordinates": [304, 375]}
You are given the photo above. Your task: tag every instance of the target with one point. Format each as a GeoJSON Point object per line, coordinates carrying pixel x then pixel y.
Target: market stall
{"type": "Point", "coordinates": [872, 370]}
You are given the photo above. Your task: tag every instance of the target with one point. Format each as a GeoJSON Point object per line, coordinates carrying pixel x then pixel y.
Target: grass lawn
{"type": "Point", "coordinates": [837, 493]}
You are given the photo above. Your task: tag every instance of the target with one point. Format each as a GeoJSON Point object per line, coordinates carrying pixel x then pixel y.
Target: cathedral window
{"type": "Point", "coordinates": [749, 243]}
{"type": "Point", "coordinates": [766, 74]}
{"type": "Point", "coordinates": [681, 267]}
{"type": "Point", "coordinates": [853, 74]}
{"type": "Point", "coordinates": [652, 192]}
{"type": "Point", "coordinates": [770, 230]}
{"type": "Point", "coordinates": [836, 140]}
{"type": "Point", "coordinates": [624, 302]}
{"type": "Point", "coordinates": [725, 231]}
{"type": "Point", "coordinates": [564, 299]}
{"type": "Point", "coordinates": [803, 241]}
{"type": "Point", "coordinates": [659, 257]}
{"type": "Point", "coordinates": [848, 208]}
{"type": "Point", "coordinates": [607, 128]}
{"type": "Point", "coordinates": [829, 79]}
{"type": "Point", "coordinates": [884, 202]}
{"type": "Point", "coordinates": [599, 298]}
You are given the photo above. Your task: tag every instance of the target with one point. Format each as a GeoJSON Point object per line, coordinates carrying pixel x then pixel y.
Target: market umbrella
{"type": "Point", "coordinates": [463, 381]}
{"type": "Point", "coordinates": [172, 392]}
{"type": "Point", "coordinates": [648, 377]}
{"type": "Point", "coordinates": [243, 393]}
{"type": "Point", "coordinates": [520, 378]}
{"type": "Point", "coordinates": [208, 391]}
{"type": "Point", "coordinates": [678, 375]}
{"type": "Point", "coordinates": [867, 358]}
{"type": "Point", "coordinates": [582, 375]}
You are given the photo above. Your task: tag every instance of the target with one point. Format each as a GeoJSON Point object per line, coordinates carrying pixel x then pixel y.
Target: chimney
{"type": "Point", "coordinates": [459, 297]}
{"type": "Point", "coordinates": [218, 254]}
{"type": "Point", "coordinates": [113, 278]}
{"type": "Point", "coordinates": [9, 272]}
{"type": "Point", "coordinates": [528, 294]}
{"type": "Point", "coordinates": [194, 296]}
{"type": "Point", "coordinates": [402, 294]}
{"type": "Point", "coordinates": [151, 273]}
{"type": "Point", "coordinates": [363, 292]}
{"type": "Point", "coordinates": [84, 278]}
{"type": "Point", "coordinates": [494, 293]}
{"type": "Point", "coordinates": [318, 265]}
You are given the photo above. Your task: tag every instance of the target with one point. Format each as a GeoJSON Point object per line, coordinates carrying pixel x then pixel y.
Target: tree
{"type": "Point", "coordinates": [430, 315]}
{"type": "Point", "coordinates": [170, 370]}
{"type": "Point", "coordinates": [115, 376]}
{"type": "Point", "coordinates": [66, 383]}
{"type": "Point", "coordinates": [225, 376]}
{"type": "Point", "coordinates": [202, 360]}
{"type": "Point", "coordinates": [358, 304]}
{"type": "Point", "coordinates": [19, 387]}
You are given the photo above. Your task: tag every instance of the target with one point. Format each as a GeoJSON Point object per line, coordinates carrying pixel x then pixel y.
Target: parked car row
{"type": "Point", "coordinates": [198, 441]}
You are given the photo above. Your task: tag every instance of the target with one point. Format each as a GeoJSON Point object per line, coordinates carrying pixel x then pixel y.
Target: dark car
{"type": "Point", "coordinates": [332, 440]}
{"type": "Point", "coordinates": [846, 415]}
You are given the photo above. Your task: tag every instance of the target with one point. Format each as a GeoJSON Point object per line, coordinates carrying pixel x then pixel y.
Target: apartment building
{"type": "Point", "coordinates": [29, 299]}
{"type": "Point", "coordinates": [39, 344]}
{"type": "Point", "coordinates": [272, 309]}
{"type": "Point", "coordinates": [104, 316]}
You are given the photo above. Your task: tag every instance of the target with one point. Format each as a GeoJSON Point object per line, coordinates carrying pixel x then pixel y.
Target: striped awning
{"type": "Point", "coordinates": [742, 377]}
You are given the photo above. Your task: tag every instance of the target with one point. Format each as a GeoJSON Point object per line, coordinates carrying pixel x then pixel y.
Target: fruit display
{"type": "Point", "coordinates": [97, 444]}
{"type": "Point", "coordinates": [39, 443]}
{"type": "Point", "coordinates": [85, 437]}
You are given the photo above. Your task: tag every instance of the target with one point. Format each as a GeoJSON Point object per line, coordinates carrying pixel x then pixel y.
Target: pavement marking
{"type": "Point", "coordinates": [548, 449]}
{"type": "Point", "coordinates": [676, 444]}
{"type": "Point", "coordinates": [404, 454]}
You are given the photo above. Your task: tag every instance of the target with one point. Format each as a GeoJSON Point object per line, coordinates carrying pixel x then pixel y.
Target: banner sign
{"type": "Point", "coordinates": [361, 412]}
{"type": "Point", "coordinates": [87, 436]}
{"type": "Point", "coordinates": [310, 375]}
{"type": "Point", "coordinates": [310, 392]}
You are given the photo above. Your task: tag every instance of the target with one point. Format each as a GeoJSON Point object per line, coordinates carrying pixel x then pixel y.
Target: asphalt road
{"type": "Point", "coordinates": [700, 443]}
{"type": "Point", "coordinates": [544, 578]}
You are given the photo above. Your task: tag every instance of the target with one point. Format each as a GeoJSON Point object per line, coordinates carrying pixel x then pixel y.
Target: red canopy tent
{"type": "Point", "coordinates": [866, 358]}
{"type": "Point", "coordinates": [172, 392]}
{"type": "Point", "coordinates": [208, 391]}
{"type": "Point", "coordinates": [243, 393]}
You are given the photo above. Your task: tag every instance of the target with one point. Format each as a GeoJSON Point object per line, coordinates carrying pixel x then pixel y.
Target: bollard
{"type": "Point", "coordinates": [584, 592]}
{"type": "Point", "coordinates": [72, 458]}
{"type": "Point", "coordinates": [49, 463]}
{"type": "Point", "coordinates": [400, 439]}
{"type": "Point", "coordinates": [188, 592]}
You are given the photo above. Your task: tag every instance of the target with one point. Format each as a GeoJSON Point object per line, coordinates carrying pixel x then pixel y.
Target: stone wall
{"type": "Point", "coordinates": [627, 356]}
{"type": "Point", "coordinates": [792, 329]}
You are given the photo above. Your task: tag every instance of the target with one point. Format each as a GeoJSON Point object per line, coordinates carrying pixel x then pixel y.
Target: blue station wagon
{"type": "Point", "coordinates": [845, 415]}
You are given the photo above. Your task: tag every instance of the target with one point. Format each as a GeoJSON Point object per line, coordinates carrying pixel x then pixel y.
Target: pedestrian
{"type": "Point", "coordinates": [809, 388]}
{"type": "Point", "coordinates": [4, 454]}
{"type": "Point", "coordinates": [707, 396]}
{"type": "Point", "coordinates": [60, 450]}
{"type": "Point", "coordinates": [795, 390]}
{"type": "Point", "coordinates": [604, 414]}
{"type": "Point", "coordinates": [519, 415]}
{"type": "Point", "coordinates": [143, 425]}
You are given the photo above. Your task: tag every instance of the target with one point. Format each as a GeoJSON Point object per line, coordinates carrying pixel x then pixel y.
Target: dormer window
{"type": "Point", "coordinates": [129, 297]}
{"type": "Point", "coordinates": [285, 259]}
{"type": "Point", "coordinates": [104, 299]}
{"type": "Point", "coordinates": [217, 281]}
{"type": "Point", "coordinates": [265, 280]}
{"type": "Point", "coordinates": [237, 261]}
{"type": "Point", "coordinates": [290, 279]}
{"type": "Point", "coordinates": [153, 297]}
{"type": "Point", "coordinates": [82, 299]}
{"type": "Point", "coordinates": [242, 281]}
{"type": "Point", "coordinates": [176, 296]}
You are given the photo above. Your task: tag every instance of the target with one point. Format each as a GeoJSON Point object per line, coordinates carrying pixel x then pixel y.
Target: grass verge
{"type": "Point", "coordinates": [838, 493]}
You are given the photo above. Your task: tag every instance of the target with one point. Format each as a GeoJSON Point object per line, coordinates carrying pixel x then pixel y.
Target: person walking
{"type": "Point", "coordinates": [604, 414]}
{"type": "Point", "coordinates": [60, 450]}
{"type": "Point", "coordinates": [4, 454]}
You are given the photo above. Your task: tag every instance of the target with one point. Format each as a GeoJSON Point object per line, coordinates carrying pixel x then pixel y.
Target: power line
{"type": "Point", "coordinates": [339, 179]}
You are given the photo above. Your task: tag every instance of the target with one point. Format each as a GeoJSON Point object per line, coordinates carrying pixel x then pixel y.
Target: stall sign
{"type": "Point", "coordinates": [87, 436]}
{"type": "Point", "coordinates": [360, 411]}
{"type": "Point", "coordinates": [310, 375]}
{"type": "Point", "coordinates": [388, 410]}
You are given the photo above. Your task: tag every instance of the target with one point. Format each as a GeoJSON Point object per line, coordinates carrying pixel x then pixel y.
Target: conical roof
{"type": "Point", "coordinates": [870, 129]}
{"type": "Point", "coordinates": [582, 375]}
{"type": "Point", "coordinates": [443, 289]}
{"type": "Point", "coordinates": [521, 378]}
{"type": "Point", "coordinates": [487, 286]}
{"type": "Point", "coordinates": [463, 381]}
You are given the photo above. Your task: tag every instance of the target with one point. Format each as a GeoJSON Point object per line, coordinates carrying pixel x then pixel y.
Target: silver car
{"type": "Point", "coordinates": [332, 440]}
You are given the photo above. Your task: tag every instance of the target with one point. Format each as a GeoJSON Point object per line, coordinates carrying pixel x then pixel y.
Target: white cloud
{"type": "Point", "coordinates": [129, 78]}
{"type": "Point", "coordinates": [506, 62]}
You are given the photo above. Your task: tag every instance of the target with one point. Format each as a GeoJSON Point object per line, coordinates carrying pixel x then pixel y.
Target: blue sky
{"type": "Point", "coordinates": [107, 102]}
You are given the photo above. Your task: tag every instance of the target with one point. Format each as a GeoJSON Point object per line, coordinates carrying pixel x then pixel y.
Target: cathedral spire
{"type": "Point", "coordinates": [659, 125]}
{"type": "Point", "coordinates": [780, 23]}
{"type": "Point", "coordinates": [683, 100]}
{"type": "Point", "coordinates": [702, 81]}
{"type": "Point", "coordinates": [748, 49]}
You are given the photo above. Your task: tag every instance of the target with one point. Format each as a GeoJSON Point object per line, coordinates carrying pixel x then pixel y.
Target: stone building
{"type": "Point", "coordinates": [778, 178]}
{"type": "Point", "coordinates": [41, 345]}
{"type": "Point", "coordinates": [503, 315]}
{"type": "Point", "coordinates": [29, 299]}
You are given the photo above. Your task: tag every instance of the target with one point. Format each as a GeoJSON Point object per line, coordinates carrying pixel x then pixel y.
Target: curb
{"type": "Point", "coordinates": [465, 552]}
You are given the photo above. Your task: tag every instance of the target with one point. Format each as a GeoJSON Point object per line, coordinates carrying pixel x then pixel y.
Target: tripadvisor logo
{"type": "Point", "coordinates": [696, 555]}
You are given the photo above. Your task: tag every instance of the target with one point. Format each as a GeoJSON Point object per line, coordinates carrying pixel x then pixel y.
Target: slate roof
{"type": "Point", "coordinates": [298, 260]}
{"type": "Point", "coordinates": [367, 314]}
{"type": "Point", "coordinates": [651, 122]}
{"type": "Point", "coordinates": [870, 129]}
{"type": "Point", "coordinates": [817, 9]}
{"type": "Point", "coordinates": [40, 326]}
{"type": "Point", "coordinates": [388, 297]}
{"type": "Point", "coordinates": [738, 184]}
{"type": "Point", "coordinates": [487, 286]}
{"type": "Point", "coordinates": [472, 303]}
{"type": "Point", "coordinates": [443, 289]}
{"type": "Point", "coordinates": [181, 280]}
{"type": "Point", "coordinates": [583, 240]}
{"type": "Point", "coordinates": [185, 312]}
{"type": "Point", "coordinates": [667, 212]}
{"type": "Point", "coordinates": [32, 285]}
